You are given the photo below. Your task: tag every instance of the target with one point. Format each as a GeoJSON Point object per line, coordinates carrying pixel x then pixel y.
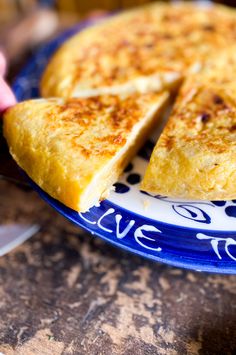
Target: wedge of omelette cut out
{"type": "Point", "coordinates": [195, 157]}
{"type": "Point", "coordinates": [76, 149]}
{"type": "Point", "coordinates": [141, 50]}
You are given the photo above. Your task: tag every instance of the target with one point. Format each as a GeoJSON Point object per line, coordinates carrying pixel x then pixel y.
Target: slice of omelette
{"type": "Point", "coordinates": [76, 149]}
{"type": "Point", "coordinates": [142, 50]}
{"type": "Point", "coordinates": [195, 157]}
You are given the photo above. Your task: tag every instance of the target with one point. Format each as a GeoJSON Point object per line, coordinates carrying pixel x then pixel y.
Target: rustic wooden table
{"type": "Point", "coordinates": [66, 292]}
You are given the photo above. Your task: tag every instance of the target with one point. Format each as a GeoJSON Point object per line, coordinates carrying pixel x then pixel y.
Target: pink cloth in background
{"type": "Point", "coordinates": [7, 97]}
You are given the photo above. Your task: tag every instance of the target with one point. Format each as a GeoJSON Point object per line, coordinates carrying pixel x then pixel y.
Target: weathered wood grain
{"type": "Point", "coordinates": [66, 292]}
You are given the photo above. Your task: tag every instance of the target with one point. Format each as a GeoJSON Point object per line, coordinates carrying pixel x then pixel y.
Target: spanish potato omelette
{"type": "Point", "coordinates": [195, 156]}
{"type": "Point", "coordinates": [149, 48]}
{"type": "Point", "coordinates": [76, 149]}
{"type": "Point", "coordinates": [113, 79]}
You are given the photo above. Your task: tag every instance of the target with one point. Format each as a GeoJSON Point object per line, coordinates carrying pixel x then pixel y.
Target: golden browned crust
{"type": "Point", "coordinates": [144, 50]}
{"type": "Point", "coordinates": [195, 156]}
{"type": "Point", "coordinates": [141, 50]}
{"type": "Point", "coordinates": [76, 149]}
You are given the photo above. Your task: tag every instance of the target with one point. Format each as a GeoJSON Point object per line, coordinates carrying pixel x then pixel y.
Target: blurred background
{"type": "Point", "coordinates": [24, 24]}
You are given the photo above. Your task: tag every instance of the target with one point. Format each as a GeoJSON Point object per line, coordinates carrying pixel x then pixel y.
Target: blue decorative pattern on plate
{"type": "Point", "coordinates": [199, 235]}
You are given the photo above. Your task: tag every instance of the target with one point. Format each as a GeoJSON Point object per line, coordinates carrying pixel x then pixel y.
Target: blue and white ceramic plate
{"type": "Point", "coordinates": [199, 235]}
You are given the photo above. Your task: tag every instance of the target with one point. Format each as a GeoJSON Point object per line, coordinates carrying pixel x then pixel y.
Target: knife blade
{"type": "Point", "coordinates": [12, 235]}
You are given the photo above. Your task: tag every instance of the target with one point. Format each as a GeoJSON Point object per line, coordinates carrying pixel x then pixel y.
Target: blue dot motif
{"type": "Point", "coordinates": [133, 179]}
{"type": "Point", "coordinates": [128, 168]}
{"type": "Point", "coordinates": [219, 203]}
{"type": "Point", "coordinates": [121, 188]}
{"type": "Point", "coordinates": [231, 211]}
{"type": "Point", "coordinates": [146, 151]}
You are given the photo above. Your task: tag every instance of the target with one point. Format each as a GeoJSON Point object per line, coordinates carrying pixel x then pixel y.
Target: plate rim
{"type": "Point", "coordinates": [183, 262]}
